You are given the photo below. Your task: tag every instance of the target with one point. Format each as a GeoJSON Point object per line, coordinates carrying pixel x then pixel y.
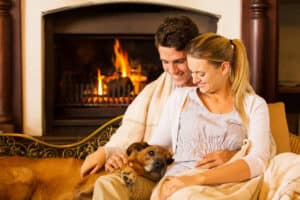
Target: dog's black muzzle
{"type": "Point", "coordinates": [159, 165]}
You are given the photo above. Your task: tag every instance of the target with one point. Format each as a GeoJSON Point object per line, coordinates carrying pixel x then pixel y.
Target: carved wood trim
{"type": "Point", "coordinates": [258, 31]}
{"type": "Point", "coordinates": [25, 145]}
{"type": "Point", "coordinates": [5, 62]}
{"type": "Point", "coordinates": [10, 66]}
{"type": "Point", "coordinates": [260, 35]}
{"type": "Point", "coordinates": [16, 66]}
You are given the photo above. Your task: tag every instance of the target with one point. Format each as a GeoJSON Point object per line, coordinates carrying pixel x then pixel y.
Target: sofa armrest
{"type": "Point", "coordinates": [16, 144]}
{"type": "Point", "coordinates": [295, 143]}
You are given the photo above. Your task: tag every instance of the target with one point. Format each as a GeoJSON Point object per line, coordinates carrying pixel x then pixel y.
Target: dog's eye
{"type": "Point", "coordinates": [151, 153]}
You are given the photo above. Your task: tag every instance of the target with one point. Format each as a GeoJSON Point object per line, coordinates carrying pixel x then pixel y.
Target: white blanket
{"type": "Point", "coordinates": [229, 191]}
{"type": "Point", "coordinates": [282, 178]}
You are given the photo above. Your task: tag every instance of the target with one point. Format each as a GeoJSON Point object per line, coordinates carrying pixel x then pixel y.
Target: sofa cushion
{"type": "Point", "coordinates": [279, 127]}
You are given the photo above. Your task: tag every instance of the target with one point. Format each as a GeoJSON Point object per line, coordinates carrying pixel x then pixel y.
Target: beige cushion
{"type": "Point", "coordinates": [279, 126]}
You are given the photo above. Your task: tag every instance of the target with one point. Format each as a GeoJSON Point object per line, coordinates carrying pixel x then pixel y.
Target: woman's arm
{"type": "Point", "coordinates": [259, 135]}
{"type": "Point", "coordinates": [215, 159]}
{"type": "Point", "coordinates": [234, 172]}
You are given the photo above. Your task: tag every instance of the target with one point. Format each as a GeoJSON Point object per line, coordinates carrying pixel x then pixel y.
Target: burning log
{"type": "Point", "coordinates": [121, 86]}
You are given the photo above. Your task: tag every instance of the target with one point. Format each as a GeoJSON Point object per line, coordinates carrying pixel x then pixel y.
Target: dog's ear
{"type": "Point", "coordinates": [137, 146]}
{"type": "Point", "coordinates": [170, 160]}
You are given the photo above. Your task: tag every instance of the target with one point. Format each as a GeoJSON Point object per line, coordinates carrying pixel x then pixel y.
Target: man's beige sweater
{"type": "Point", "coordinates": [142, 116]}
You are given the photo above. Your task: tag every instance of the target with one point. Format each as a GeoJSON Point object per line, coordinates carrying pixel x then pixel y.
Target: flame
{"type": "Point", "coordinates": [122, 65]}
{"type": "Point", "coordinates": [100, 84]}
{"type": "Point", "coordinates": [121, 60]}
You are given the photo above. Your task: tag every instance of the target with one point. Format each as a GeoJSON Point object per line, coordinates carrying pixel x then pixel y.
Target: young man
{"type": "Point", "coordinates": [142, 116]}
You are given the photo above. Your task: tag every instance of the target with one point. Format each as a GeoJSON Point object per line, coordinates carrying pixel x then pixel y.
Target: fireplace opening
{"type": "Point", "coordinates": [97, 76]}
{"type": "Point", "coordinates": [97, 70]}
{"type": "Point", "coordinates": [97, 60]}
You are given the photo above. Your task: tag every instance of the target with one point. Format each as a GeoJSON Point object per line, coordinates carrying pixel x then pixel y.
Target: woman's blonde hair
{"type": "Point", "coordinates": [218, 49]}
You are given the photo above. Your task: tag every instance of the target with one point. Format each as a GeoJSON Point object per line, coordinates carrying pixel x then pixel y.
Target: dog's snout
{"type": "Point", "coordinates": [159, 164]}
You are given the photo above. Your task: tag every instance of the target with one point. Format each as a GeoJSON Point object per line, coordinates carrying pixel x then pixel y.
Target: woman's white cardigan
{"type": "Point", "coordinates": [258, 130]}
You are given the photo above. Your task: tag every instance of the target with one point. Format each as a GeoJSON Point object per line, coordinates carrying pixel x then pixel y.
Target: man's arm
{"type": "Point", "coordinates": [133, 125]}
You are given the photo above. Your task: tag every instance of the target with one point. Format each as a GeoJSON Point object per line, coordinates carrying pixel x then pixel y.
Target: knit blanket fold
{"type": "Point", "coordinates": [282, 178]}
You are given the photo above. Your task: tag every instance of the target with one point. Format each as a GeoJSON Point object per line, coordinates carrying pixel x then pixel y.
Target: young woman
{"type": "Point", "coordinates": [219, 113]}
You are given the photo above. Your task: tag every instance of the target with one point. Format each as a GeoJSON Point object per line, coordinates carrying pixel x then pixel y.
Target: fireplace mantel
{"type": "Point", "coordinates": [21, 98]}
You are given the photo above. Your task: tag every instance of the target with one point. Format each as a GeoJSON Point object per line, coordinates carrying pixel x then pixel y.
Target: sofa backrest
{"type": "Point", "coordinates": [279, 126]}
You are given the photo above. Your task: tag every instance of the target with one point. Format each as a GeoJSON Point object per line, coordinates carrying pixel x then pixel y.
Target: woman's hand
{"type": "Point", "coordinates": [175, 183]}
{"type": "Point", "coordinates": [116, 161]}
{"type": "Point", "coordinates": [93, 162]}
{"type": "Point", "coordinates": [214, 159]}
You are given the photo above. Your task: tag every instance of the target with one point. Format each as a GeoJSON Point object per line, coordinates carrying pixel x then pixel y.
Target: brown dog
{"type": "Point", "coordinates": [58, 178]}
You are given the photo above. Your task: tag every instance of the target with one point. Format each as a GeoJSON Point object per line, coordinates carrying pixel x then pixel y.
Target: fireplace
{"type": "Point", "coordinates": [96, 63]}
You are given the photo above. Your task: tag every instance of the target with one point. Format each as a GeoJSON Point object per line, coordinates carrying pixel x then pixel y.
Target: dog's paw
{"type": "Point", "coordinates": [128, 175]}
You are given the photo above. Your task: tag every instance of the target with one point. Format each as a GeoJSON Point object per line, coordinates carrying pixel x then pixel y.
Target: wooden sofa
{"type": "Point", "coordinates": [24, 145]}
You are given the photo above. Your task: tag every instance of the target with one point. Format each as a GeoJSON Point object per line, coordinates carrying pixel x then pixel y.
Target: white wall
{"type": "Point", "coordinates": [32, 57]}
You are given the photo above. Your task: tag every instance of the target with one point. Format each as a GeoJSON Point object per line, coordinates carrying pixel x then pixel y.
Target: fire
{"type": "Point", "coordinates": [121, 60]}
{"type": "Point", "coordinates": [123, 67]}
{"type": "Point", "coordinates": [100, 83]}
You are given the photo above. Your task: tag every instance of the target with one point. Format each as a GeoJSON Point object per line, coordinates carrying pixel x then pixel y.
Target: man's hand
{"type": "Point", "coordinates": [214, 159]}
{"type": "Point", "coordinates": [93, 162]}
{"type": "Point", "coordinates": [116, 161]}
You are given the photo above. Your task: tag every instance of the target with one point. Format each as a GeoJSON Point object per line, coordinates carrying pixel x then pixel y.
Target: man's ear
{"type": "Point", "coordinates": [137, 146]}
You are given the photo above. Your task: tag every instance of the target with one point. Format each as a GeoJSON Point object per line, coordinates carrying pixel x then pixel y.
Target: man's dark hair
{"type": "Point", "coordinates": [176, 32]}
